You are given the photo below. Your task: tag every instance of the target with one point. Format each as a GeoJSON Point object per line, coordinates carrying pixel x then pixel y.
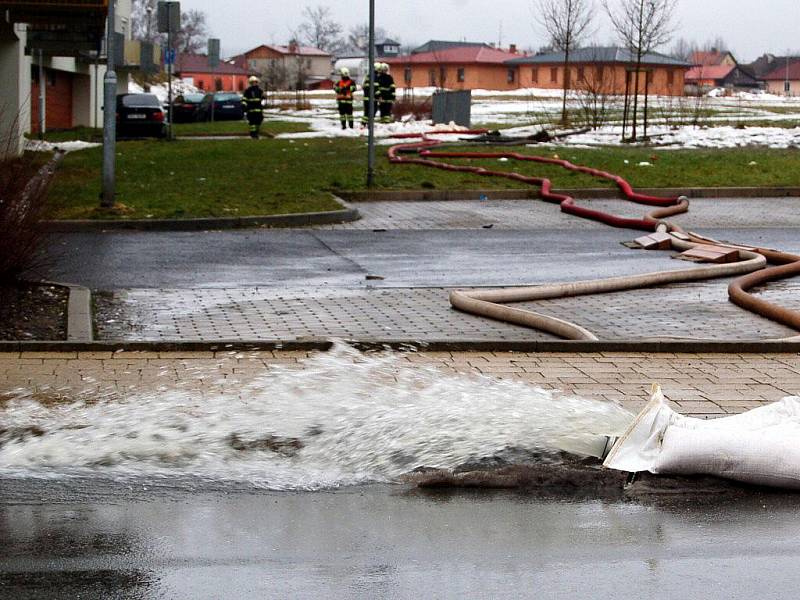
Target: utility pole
{"type": "Point", "coordinates": [107, 196]}
{"type": "Point", "coordinates": [169, 21]}
{"type": "Point", "coordinates": [370, 66]}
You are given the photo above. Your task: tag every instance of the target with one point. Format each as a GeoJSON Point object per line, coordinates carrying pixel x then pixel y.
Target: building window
{"type": "Point", "coordinates": [600, 72]}
{"type": "Point", "coordinates": [581, 74]}
{"type": "Point", "coordinates": [650, 77]}
{"type": "Point", "coordinates": [442, 75]}
{"type": "Point", "coordinates": [408, 75]}
{"type": "Point", "coordinates": [241, 85]}
{"type": "Point", "coordinates": [554, 75]}
{"type": "Point", "coordinates": [432, 78]}
{"type": "Point", "coordinates": [512, 75]}
{"type": "Point", "coordinates": [462, 74]}
{"type": "Point", "coordinates": [535, 75]}
{"type": "Point", "coordinates": [218, 84]}
{"type": "Point", "coordinates": [670, 77]}
{"type": "Point", "coordinates": [201, 85]}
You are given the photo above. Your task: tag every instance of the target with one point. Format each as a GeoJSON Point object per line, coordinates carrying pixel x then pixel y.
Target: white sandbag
{"type": "Point", "coordinates": [760, 447]}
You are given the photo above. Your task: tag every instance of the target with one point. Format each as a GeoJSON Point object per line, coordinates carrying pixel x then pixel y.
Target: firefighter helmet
{"type": "Point", "coordinates": [384, 67]}
{"type": "Point", "coordinates": [253, 80]}
{"type": "Point", "coordinates": [377, 67]}
{"type": "Point", "coordinates": [344, 72]}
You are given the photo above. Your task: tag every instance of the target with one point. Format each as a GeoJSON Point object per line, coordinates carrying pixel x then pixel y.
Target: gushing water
{"type": "Point", "coordinates": [342, 418]}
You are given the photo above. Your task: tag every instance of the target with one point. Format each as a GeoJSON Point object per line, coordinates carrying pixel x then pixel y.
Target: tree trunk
{"type": "Point", "coordinates": [636, 93]}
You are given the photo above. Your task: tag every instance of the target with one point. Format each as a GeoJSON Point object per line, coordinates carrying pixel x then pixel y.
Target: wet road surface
{"type": "Point", "coordinates": [147, 539]}
{"type": "Point", "coordinates": [317, 258]}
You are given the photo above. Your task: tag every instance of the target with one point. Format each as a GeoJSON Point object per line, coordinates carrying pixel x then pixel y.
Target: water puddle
{"type": "Point", "coordinates": [343, 418]}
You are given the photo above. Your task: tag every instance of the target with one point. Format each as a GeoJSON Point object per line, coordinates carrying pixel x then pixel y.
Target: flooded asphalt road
{"type": "Point", "coordinates": [95, 539]}
{"type": "Point", "coordinates": [304, 258]}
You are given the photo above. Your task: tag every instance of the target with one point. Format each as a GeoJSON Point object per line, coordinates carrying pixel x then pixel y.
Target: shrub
{"type": "Point", "coordinates": [24, 182]}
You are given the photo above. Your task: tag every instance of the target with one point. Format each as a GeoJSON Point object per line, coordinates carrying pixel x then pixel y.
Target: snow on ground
{"type": "Point", "coordinates": [40, 146]}
{"type": "Point", "coordinates": [162, 91]}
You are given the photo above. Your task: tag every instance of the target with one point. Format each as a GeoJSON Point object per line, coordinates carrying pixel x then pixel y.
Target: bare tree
{"type": "Point", "coordinates": [641, 26]}
{"type": "Point", "coordinates": [596, 93]}
{"type": "Point", "coordinates": [683, 49]}
{"type": "Point", "coordinates": [320, 30]}
{"type": "Point", "coordinates": [566, 22]}
{"type": "Point", "coordinates": [358, 36]}
{"type": "Point", "coordinates": [193, 35]}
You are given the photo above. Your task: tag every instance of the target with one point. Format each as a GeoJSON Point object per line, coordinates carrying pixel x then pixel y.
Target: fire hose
{"type": "Point", "coordinates": [751, 266]}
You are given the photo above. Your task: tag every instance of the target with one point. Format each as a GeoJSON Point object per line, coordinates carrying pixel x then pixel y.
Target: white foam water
{"type": "Point", "coordinates": [342, 418]}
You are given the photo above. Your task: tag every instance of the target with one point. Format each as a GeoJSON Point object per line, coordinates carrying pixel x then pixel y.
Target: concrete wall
{"type": "Point", "coordinates": [15, 70]}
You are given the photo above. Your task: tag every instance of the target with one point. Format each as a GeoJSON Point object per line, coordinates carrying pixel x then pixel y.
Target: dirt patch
{"type": "Point", "coordinates": [30, 311]}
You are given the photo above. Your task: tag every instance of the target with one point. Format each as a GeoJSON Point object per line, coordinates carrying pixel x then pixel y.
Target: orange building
{"type": "Point", "coordinates": [225, 77]}
{"type": "Point", "coordinates": [602, 70]}
{"type": "Point", "coordinates": [460, 68]}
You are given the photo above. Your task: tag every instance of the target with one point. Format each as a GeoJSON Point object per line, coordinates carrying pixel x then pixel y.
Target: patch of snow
{"type": "Point", "coordinates": [40, 146]}
{"type": "Point", "coordinates": [161, 91]}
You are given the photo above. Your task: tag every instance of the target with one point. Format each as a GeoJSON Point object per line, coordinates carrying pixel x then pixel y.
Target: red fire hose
{"type": "Point", "coordinates": [738, 289]}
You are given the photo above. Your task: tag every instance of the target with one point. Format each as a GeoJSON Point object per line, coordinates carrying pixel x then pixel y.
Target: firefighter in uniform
{"type": "Point", "coordinates": [253, 107]}
{"type": "Point", "coordinates": [387, 92]}
{"type": "Point", "coordinates": [345, 88]}
{"type": "Point", "coordinates": [365, 116]}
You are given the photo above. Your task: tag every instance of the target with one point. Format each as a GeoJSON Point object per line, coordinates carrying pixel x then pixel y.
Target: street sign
{"type": "Point", "coordinates": [213, 53]}
{"type": "Point", "coordinates": [169, 56]}
{"type": "Point", "coordinates": [169, 17]}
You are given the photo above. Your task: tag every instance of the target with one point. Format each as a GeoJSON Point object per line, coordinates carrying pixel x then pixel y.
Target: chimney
{"type": "Point", "coordinates": [293, 47]}
{"type": "Point", "coordinates": [513, 49]}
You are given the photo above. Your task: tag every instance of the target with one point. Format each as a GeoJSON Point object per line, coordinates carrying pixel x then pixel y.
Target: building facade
{"type": "Point", "coordinates": [287, 67]}
{"type": "Point", "coordinates": [225, 77]}
{"type": "Point", "coordinates": [607, 70]}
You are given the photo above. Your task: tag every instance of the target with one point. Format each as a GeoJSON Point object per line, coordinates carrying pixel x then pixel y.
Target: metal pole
{"type": "Point", "coordinates": [169, 75]}
{"type": "Point", "coordinates": [370, 66]}
{"type": "Point", "coordinates": [42, 97]}
{"type": "Point", "coordinates": [109, 117]}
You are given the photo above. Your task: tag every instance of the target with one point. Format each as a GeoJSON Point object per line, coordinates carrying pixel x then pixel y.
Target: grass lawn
{"type": "Point", "coordinates": [236, 128]}
{"type": "Point", "coordinates": [241, 177]}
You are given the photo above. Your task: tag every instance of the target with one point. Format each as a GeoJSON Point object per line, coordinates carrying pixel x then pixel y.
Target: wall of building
{"type": "Point", "coordinates": [610, 78]}
{"type": "Point", "coordinates": [15, 90]}
{"type": "Point", "coordinates": [208, 81]}
{"type": "Point", "coordinates": [455, 77]}
{"type": "Point", "coordinates": [778, 87]}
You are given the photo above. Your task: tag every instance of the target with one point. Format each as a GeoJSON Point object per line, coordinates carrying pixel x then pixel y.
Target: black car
{"type": "Point", "coordinates": [140, 115]}
{"type": "Point", "coordinates": [227, 107]}
{"type": "Point", "coordinates": [185, 108]}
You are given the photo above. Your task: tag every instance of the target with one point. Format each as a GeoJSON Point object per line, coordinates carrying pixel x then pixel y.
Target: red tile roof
{"type": "Point", "coordinates": [708, 72]}
{"type": "Point", "coordinates": [707, 58]}
{"type": "Point", "coordinates": [198, 63]}
{"type": "Point", "coordinates": [463, 55]}
{"type": "Point", "coordinates": [779, 73]}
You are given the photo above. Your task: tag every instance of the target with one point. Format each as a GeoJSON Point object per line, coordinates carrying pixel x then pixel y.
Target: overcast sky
{"type": "Point", "coordinates": [750, 27]}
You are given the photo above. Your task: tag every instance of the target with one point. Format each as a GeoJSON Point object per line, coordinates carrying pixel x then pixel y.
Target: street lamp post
{"type": "Point", "coordinates": [109, 117]}
{"type": "Point", "coordinates": [371, 139]}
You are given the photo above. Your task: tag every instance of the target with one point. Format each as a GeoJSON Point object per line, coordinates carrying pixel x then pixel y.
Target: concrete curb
{"type": "Point", "coordinates": [79, 315]}
{"type": "Point", "coordinates": [639, 347]}
{"type": "Point", "coordinates": [347, 215]}
{"type": "Point", "coordinates": [582, 194]}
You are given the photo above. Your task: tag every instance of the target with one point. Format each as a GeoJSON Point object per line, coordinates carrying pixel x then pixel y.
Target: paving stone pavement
{"type": "Point", "coordinates": [535, 214]}
{"type": "Point", "coordinates": [696, 384]}
{"type": "Point", "coordinates": [696, 311]}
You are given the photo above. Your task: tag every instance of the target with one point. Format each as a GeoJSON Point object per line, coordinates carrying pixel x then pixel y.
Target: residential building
{"type": "Point", "coordinates": [68, 37]}
{"type": "Point", "coordinates": [768, 63]}
{"type": "Point", "coordinates": [474, 66]}
{"type": "Point", "coordinates": [357, 60]}
{"type": "Point", "coordinates": [288, 67]}
{"type": "Point", "coordinates": [713, 57]}
{"type": "Point", "coordinates": [440, 45]}
{"type": "Point", "coordinates": [227, 77]}
{"type": "Point", "coordinates": [602, 70]}
{"type": "Point", "coordinates": [784, 79]}
{"type": "Point", "coordinates": [706, 77]}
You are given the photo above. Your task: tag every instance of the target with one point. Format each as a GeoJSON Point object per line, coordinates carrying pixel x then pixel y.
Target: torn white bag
{"type": "Point", "coordinates": [760, 447]}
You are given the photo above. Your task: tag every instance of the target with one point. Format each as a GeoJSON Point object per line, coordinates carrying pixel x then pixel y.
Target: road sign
{"type": "Point", "coordinates": [169, 17]}
{"type": "Point", "coordinates": [213, 53]}
{"type": "Point", "coordinates": [169, 56]}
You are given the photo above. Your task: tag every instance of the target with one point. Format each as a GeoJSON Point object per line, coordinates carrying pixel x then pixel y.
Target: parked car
{"type": "Point", "coordinates": [140, 115]}
{"type": "Point", "coordinates": [227, 107]}
{"type": "Point", "coordinates": [185, 108]}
